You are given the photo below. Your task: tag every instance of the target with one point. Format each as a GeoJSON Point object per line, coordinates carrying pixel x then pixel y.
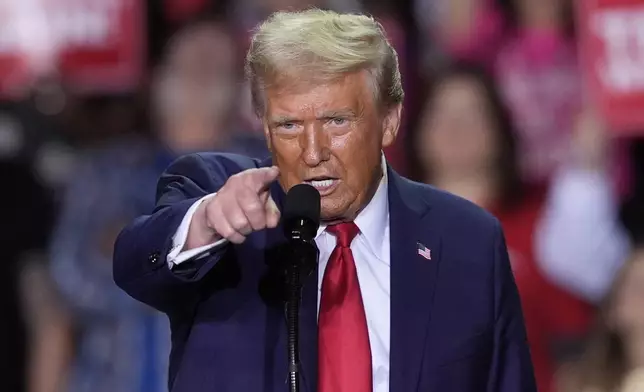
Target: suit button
{"type": "Point", "coordinates": [154, 257]}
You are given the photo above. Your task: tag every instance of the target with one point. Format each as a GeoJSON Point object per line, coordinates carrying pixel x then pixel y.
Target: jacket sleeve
{"type": "Point", "coordinates": [141, 250]}
{"type": "Point", "coordinates": [511, 368]}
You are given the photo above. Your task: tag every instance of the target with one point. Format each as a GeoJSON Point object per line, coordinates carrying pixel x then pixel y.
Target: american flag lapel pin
{"type": "Point", "coordinates": [424, 251]}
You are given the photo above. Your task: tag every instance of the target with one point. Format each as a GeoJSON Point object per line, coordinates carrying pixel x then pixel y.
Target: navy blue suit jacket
{"type": "Point", "coordinates": [456, 320]}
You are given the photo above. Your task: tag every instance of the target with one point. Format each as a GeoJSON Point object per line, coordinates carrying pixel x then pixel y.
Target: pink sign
{"type": "Point", "coordinates": [611, 34]}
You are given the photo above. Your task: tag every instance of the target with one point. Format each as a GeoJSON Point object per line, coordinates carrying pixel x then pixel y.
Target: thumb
{"type": "Point", "coordinates": [272, 213]}
{"type": "Point", "coordinates": [264, 176]}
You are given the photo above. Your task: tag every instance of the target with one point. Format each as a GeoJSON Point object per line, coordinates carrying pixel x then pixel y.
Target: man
{"type": "Point", "coordinates": [416, 294]}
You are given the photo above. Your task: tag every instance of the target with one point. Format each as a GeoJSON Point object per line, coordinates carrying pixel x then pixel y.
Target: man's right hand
{"type": "Point", "coordinates": [241, 206]}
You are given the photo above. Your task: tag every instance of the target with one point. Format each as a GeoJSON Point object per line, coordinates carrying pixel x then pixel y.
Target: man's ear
{"type": "Point", "coordinates": [391, 124]}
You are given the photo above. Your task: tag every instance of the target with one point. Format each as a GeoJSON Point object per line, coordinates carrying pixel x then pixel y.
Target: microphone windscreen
{"type": "Point", "coordinates": [302, 202]}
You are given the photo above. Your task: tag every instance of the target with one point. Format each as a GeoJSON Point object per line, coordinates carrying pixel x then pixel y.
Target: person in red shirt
{"type": "Point", "coordinates": [464, 143]}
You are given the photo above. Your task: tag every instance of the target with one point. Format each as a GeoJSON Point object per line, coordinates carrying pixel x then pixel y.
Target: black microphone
{"type": "Point", "coordinates": [301, 220]}
{"type": "Point", "coordinates": [301, 215]}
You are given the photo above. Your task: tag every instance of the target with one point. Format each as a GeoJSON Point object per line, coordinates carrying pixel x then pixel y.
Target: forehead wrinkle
{"type": "Point", "coordinates": [304, 104]}
{"type": "Point", "coordinates": [298, 112]}
{"type": "Point", "coordinates": [298, 101]}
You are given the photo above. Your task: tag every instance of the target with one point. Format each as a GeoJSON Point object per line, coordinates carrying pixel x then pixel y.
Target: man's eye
{"type": "Point", "coordinates": [338, 121]}
{"type": "Point", "coordinates": [287, 126]}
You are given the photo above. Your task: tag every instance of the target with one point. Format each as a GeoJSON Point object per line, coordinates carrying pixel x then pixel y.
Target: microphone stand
{"type": "Point", "coordinates": [303, 259]}
{"type": "Point", "coordinates": [292, 327]}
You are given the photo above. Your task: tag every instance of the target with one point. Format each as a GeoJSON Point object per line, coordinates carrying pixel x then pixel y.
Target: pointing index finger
{"type": "Point", "coordinates": [263, 177]}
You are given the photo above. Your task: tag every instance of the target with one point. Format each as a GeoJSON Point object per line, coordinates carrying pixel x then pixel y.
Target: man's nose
{"type": "Point", "coordinates": [315, 145]}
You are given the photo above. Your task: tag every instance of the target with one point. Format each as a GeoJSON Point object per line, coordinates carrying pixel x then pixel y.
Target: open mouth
{"type": "Point", "coordinates": [324, 185]}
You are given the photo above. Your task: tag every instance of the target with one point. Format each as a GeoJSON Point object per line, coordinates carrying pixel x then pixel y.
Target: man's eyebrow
{"type": "Point", "coordinates": [343, 112]}
{"type": "Point", "coordinates": [282, 120]}
{"type": "Point", "coordinates": [346, 112]}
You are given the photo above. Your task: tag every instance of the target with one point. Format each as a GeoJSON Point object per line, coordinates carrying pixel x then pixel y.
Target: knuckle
{"type": "Point", "coordinates": [238, 222]}
{"type": "Point", "coordinates": [248, 199]}
{"type": "Point", "coordinates": [258, 222]}
{"type": "Point", "coordinates": [253, 206]}
{"type": "Point", "coordinates": [237, 238]}
{"type": "Point", "coordinates": [226, 232]}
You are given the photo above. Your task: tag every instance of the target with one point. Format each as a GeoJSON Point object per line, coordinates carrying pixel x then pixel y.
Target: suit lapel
{"type": "Point", "coordinates": [413, 280]}
{"type": "Point", "coordinates": [308, 308]}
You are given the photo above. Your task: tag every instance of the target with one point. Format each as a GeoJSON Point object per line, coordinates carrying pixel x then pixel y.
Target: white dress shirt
{"type": "Point", "coordinates": [371, 253]}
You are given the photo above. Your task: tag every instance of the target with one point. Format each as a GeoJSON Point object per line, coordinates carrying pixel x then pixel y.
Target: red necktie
{"type": "Point", "coordinates": [344, 354]}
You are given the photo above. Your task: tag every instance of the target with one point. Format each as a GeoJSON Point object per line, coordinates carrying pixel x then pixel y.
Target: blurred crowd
{"type": "Point", "coordinates": [495, 112]}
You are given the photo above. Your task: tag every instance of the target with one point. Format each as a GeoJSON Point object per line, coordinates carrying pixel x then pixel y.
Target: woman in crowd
{"type": "Point", "coordinates": [531, 48]}
{"type": "Point", "coordinates": [464, 143]}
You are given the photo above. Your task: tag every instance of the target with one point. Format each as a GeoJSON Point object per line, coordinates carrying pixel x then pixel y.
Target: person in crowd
{"type": "Point", "coordinates": [34, 329]}
{"type": "Point", "coordinates": [197, 90]}
{"type": "Point", "coordinates": [529, 45]}
{"type": "Point", "coordinates": [585, 242]}
{"type": "Point", "coordinates": [122, 345]}
{"type": "Point", "coordinates": [414, 285]}
{"type": "Point", "coordinates": [464, 142]}
{"type": "Point", "coordinates": [614, 358]}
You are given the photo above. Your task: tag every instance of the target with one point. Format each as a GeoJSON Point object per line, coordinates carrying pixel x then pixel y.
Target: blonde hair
{"type": "Point", "coordinates": [316, 46]}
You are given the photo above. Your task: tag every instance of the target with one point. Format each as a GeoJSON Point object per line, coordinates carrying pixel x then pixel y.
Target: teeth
{"type": "Point", "coordinates": [321, 183]}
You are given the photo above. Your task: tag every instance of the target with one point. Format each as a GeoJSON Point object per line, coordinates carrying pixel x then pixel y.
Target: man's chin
{"type": "Point", "coordinates": [331, 214]}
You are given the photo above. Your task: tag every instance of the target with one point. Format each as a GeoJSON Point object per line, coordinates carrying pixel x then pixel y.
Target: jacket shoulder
{"type": "Point", "coordinates": [218, 163]}
{"type": "Point", "coordinates": [208, 166]}
{"type": "Point", "coordinates": [455, 209]}
{"type": "Point", "coordinates": [198, 174]}
{"type": "Point", "coordinates": [464, 227]}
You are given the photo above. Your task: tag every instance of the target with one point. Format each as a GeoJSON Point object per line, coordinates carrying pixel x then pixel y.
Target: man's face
{"type": "Point", "coordinates": [330, 136]}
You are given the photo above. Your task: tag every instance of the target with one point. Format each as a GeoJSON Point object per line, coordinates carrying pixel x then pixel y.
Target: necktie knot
{"type": "Point", "coordinates": [344, 233]}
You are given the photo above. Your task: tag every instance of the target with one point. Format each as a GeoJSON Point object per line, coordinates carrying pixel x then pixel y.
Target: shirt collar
{"type": "Point", "coordinates": [373, 219]}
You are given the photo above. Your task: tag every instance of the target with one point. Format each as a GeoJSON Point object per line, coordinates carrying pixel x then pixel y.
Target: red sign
{"type": "Point", "coordinates": [612, 52]}
{"type": "Point", "coordinates": [93, 45]}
